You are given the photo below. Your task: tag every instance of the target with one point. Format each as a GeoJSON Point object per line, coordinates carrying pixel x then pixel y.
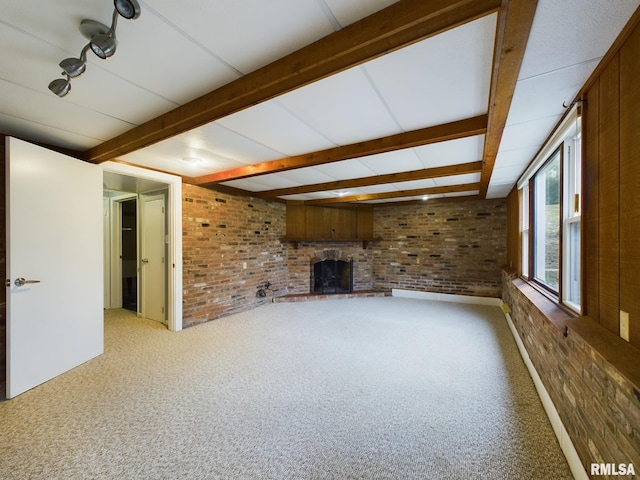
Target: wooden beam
{"type": "Point", "coordinates": [459, 169]}
{"type": "Point", "coordinates": [424, 136]}
{"type": "Point", "coordinates": [397, 26]}
{"type": "Point", "coordinates": [465, 187]}
{"type": "Point", "coordinates": [514, 25]}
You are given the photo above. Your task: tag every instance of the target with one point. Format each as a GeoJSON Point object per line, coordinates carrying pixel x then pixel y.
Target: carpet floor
{"type": "Point", "coordinates": [373, 388]}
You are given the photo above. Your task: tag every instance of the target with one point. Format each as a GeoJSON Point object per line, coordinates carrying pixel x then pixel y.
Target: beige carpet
{"type": "Point", "coordinates": [376, 388]}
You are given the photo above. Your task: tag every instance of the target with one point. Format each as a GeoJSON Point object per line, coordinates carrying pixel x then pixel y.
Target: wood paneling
{"type": "Point", "coordinates": [364, 226]}
{"type": "Point", "coordinates": [296, 227]}
{"type": "Point", "coordinates": [609, 173]}
{"type": "Point", "coordinates": [309, 222]}
{"type": "Point", "coordinates": [343, 223]}
{"type": "Point", "coordinates": [611, 191]}
{"type": "Point", "coordinates": [630, 183]}
{"type": "Point", "coordinates": [590, 205]}
{"type": "Point", "coordinates": [318, 222]}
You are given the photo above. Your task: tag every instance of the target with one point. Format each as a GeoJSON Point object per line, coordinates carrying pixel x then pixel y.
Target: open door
{"type": "Point", "coordinates": [54, 264]}
{"type": "Point", "coordinates": [153, 266]}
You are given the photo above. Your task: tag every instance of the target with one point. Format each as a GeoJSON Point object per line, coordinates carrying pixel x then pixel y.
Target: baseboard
{"type": "Point", "coordinates": [569, 450]}
{"type": "Point", "coordinates": [445, 297]}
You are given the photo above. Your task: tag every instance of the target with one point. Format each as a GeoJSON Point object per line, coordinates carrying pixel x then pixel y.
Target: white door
{"type": "Point", "coordinates": [153, 268]}
{"type": "Point", "coordinates": [54, 238]}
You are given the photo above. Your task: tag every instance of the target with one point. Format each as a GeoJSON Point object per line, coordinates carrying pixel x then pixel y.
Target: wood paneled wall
{"type": "Point", "coordinates": [325, 223]}
{"type": "Point", "coordinates": [611, 189]}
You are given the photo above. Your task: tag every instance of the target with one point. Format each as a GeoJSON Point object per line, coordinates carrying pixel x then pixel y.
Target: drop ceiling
{"type": "Point", "coordinates": [321, 101]}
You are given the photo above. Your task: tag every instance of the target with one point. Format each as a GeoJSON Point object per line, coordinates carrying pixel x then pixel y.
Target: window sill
{"type": "Point", "coordinates": [555, 312]}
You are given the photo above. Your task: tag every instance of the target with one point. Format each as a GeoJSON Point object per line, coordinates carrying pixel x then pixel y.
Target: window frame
{"type": "Point", "coordinates": [567, 142]}
{"type": "Point", "coordinates": [557, 294]}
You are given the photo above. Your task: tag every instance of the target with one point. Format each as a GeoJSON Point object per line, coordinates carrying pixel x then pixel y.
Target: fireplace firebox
{"type": "Point", "coordinates": [331, 275]}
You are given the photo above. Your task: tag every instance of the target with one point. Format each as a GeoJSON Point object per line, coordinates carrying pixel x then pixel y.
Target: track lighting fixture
{"type": "Point", "coordinates": [102, 42]}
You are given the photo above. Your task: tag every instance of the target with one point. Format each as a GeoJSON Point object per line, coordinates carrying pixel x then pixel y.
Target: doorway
{"type": "Point", "coordinates": [144, 184]}
{"type": "Point", "coordinates": [129, 253]}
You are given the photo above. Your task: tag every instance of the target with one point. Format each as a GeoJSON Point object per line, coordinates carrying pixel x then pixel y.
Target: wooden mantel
{"type": "Point", "coordinates": [297, 240]}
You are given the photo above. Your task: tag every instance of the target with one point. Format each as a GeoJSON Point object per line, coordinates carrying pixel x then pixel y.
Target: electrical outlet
{"type": "Point", "coordinates": [244, 265]}
{"type": "Point", "coordinates": [417, 260]}
{"type": "Point", "coordinates": [624, 325]}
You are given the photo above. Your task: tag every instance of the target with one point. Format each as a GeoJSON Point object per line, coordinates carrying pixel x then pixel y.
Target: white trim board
{"type": "Point", "coordinates": [569, 450]}
{"type": "Point", "coordinates": [445, 297]}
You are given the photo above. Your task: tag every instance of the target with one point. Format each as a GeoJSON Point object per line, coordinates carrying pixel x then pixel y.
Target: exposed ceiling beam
{"type": "Point", "coordinates": [437, 172]}
{"type": "Point", "coordinates": [466, 187]}
{"type": "Point", "coordinates": [514, 26]}
{"type": "Point", "coordinates": [395, 27]}
{"type": "Point", "coordinates": [424, 136]}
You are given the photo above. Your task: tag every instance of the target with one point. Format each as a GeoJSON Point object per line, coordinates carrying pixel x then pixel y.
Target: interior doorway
{"type": "Point", "coordinates": [129, 253]}
{"type": "Point", "coordinates": [122, 182]}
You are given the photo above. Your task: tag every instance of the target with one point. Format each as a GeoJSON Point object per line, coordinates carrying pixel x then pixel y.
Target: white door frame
{"type": "Point", "coordinates": [174, 233]}
{"type": "Point", "coordinates": [115, 249]}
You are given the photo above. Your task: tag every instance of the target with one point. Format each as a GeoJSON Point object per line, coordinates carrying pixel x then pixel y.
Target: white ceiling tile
{"type": "Point", "coordinates": [387, 187]}
{"type": "Point", "coordinates": [249, 184]}
{"type": "Point", "coordinates": [186, 70]}
{"type": "Point", "coordinates": [170, 157]}
{"type": "Point", "coordinates": [344, 108]}
{"type": "Point", "coordinates": [528, 134]}
{"type": "Point", "coordinates": [17, 127]}
{"type": "Point", "coordinates": [251, 33]}
{"type": "Point", "coordinates": [414, 184]}
{"type": "Point", "coordinates": [345, 169]}
{"type": "Point", "coordinates": [307, 176]}
{"type": "Point", "coordinates": [462, 194]}
{"type": "Point", "coordinates": [571, 32]}
{"type": "Point", "coordinates": [498, 192]}
{"type": "Point", "coordinates": [543, 95]}
{"type": "Point", "coordinates": [452, 152]}
{"type": "Point", "coordinates": [519, 157]}
{"type": "Point", "coordinates": [274, 127]}
{"type": "Point", "coordinates": [309, 196]}
{"type": "Point", "coordinates": [70, 119]}
{"type": "Point", "coordinates": [223, 142]}
{"type": "Point", "coordinates": [391, 162]}
{"type": "Point", "coordinates": [506, 174]}
{"type": "Point", "coordinates": [457, 179]}
{"type": "Point", "coordinates": [441, 79]}
{"type": "Point", "coordinates": [347, 13]}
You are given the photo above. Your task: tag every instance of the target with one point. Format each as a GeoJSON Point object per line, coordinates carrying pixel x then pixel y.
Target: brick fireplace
{"type": "Point", "coordinates": [300, 261]}
{"type": "Point", "coordinates": [331, 272]}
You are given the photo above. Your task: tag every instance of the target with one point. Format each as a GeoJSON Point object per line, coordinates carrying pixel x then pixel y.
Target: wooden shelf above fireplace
{"type": "Point", "coordinates": [296, 240]}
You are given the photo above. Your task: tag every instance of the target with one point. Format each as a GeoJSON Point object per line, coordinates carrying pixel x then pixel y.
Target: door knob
{"type": "Point", "coordinates": [144, 260]}
{"type": "Point", "coordinates": [21, 282]}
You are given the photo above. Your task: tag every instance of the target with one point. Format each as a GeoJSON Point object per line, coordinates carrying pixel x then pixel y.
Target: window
{"type": "Point", "coordinates": [550, 215]}
{"type": "Point", "coordinates": [545, 187]}
{"type": "Point", "coordinates": [524, 229]}
{"type": "Point", "coordinates": [571, 216]}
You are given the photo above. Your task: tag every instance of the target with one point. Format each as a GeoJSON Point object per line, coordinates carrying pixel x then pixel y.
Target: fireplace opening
{"type": "Point", "coordinates": [332, 276]}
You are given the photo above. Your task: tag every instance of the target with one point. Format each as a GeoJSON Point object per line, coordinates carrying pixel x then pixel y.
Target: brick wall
{"type": "Point", "coordinates": [440, 246]}
{"type": "Point", "coordinates": [597, 402]}
{"type": "Point", "coordinates": [299, 261]}
{"type": "Point", "coordinates": [220, 233]}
